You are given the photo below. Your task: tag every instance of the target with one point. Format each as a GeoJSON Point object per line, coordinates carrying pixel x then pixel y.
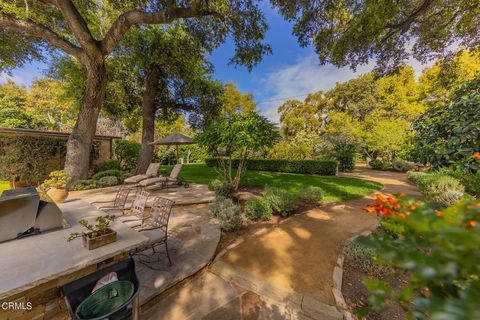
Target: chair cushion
{"type": "Point", "coordinates": [153, 169]}
{"type": "Point", "coordinates": [137, 178]}
{"type": "Point", "coordinates": [154, 236]}
{"type": "Point", "coordinates": [151, 181]}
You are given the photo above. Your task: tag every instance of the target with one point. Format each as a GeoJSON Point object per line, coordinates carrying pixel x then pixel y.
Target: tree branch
{"type": "Point", "coordinates": [405, 24]}
{"type": "Point", "coordinates": [78, 26]}
{"type": "Point", "coordinates": [175, 105]}
{"type": "Point", "coordinates": [42, 32]}
{"type": "Point", "coordinates": [134, 17]}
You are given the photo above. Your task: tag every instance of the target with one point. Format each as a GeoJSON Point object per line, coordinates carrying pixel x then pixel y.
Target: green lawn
{"type": "Point", "coordinates": [335, 188]}
{"type": "Point", "coordinates": [4, 185]}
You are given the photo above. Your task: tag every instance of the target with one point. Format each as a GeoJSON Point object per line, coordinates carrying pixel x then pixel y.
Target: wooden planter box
{"type": "Point", "coordinates": [94, 243]}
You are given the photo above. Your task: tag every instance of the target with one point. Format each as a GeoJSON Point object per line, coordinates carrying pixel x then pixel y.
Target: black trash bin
{"type": "Point", "coordinates": [75, 292]}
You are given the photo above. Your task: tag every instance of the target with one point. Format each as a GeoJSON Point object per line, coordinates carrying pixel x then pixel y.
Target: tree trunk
{"type": "Point", "coordinates": [80, 141]}
{"type": "Point", "coordinates": [148, 121]}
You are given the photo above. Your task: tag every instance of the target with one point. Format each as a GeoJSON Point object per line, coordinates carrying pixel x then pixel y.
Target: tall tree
{"type": "Point", "coordinates": [90, 30]}
{"type": "Point", "coordinates": [169, 66]}
{"type": "Point", "coordinates": [234, 101]}
{"type": "Point", "coordinates": [353, 32]}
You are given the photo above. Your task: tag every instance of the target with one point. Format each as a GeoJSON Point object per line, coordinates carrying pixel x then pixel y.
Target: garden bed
{"type": "Point", "coordinates": [356, 293]}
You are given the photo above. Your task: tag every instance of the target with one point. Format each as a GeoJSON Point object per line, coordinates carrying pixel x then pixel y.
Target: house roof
{"type": "Point", "coordinates": [48, 133]}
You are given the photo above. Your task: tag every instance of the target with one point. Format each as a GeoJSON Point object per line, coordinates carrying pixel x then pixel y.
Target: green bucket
{"type": "Point", "coordinates": [105, 301]}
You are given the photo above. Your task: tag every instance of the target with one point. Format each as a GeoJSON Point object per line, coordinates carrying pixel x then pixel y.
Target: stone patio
{"type": "Point", "coordinates": [195, 194]}
{"type": "Point", "coordinates": [193, 236]}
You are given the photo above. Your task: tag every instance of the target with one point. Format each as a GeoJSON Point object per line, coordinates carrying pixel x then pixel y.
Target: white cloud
{"type": "Point", "coordinates": [297, 80]}
{"type": "Point", "coordinates": [15, 78]}
{"type": "Point", "coordinates": [308, 76]}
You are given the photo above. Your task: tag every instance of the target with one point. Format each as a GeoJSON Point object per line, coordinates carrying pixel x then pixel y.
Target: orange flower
{"type": "Point", "coordinates": [407, 213]}
{"type": "Point", "coordinates": [438, 213]}
{"type": "Point", "coordinates": [402, 194]}
{"type": "Point", "coordinates": [476, 156]}
{"type": "Point", "coordinates": [472, 223]}
{"type": "Point", "coordinates": [413, 206]}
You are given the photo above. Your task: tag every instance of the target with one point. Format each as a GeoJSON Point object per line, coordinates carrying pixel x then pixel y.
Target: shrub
{"type": "Point", "coordinates": [108, 181]}
{"type": "Point", "coordinates": [363, 257]}
{"type": "Point", "coordinates": [378, 164]}
{"type": "Point", "coordinates": [221, 188]}
{"type": "Point", "coordinates": [345, 153]}
{"type": "Point", "coordinates": [435, 184]}
{"type": "Point", "coordinates": [281, 201]}
{"type": "Point", "coordinates": [83, 185]}
{"type": "Point", "coordinates": [109, 173]}
{"type": "Point", "coordinates": [56, 179]}
{"type": "Point", "coordinates": [415, 177]}
{"type": "Point", "coordinates": [323, 167]}
{"type": "Point", "coordinates": [471, 181]}
{"type": "Point", "coordinates": [127, 152]}
{"type": "Point", "coordinates": [258, 209]}
{"type": "Point", "coordinates": [403, 165]}
{"type": "Point", "coordinates": [438, 249]}
{"type": "Point", "coordinates": [446, 198]}
{"type": "Point", "coordinates": [227, 212]}
{"type": "Point", "coordinates": [112, 164]}
{"type": "Point", "coordinates": [311, 194]}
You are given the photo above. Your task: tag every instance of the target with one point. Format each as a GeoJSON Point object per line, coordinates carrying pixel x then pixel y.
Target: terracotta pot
{"type": "Point", "coordinates": [57, 195]}
{"type": "Point", "coordinates": [104, 239]}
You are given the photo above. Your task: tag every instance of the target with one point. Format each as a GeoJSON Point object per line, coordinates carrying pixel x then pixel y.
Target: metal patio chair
{"type": "Point", "coordinates": [137, 212]}
{"type": "Point", "coordinates": [118, 204]}
{"type": "Point", "coordinates": [156, 229]}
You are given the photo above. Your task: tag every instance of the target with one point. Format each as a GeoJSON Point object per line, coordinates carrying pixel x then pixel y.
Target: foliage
{"type": "Point", "coordinates": [78, 185]}
{"type": "Point", "coordinates": [56, 179]}
{"type": "Point", "coordinates": [234, 101]}
{"type": "Point", "coordinates": [221, 188]}
{"type": "Point", "coordinates": [339, 146]}
{"type": "Point", "coordinates": [471, 181]}
{"type": "Point", "coordinates": [363, 257]}
{"type": "Point", "coordinates": [127, 152]}
{"type": "Point", "coordinates": [110, 173]}
{"type": "Point", "coordinates": [112, 164]}
{"type": "Point", "coordinates": [450, 133]}
{"type": "Point", "coordinates": [240, 135]}
{"type": "Point", "coordinates": [323, 167]}
{"type": "Point", "coordinates": [415, 177]}
{"type": "Point", "coordinates": [281, 201]}
{"type": "Point", "coordinates": [312, 195]}
{"type": "Point", "coordinates": [14, 117]}
{"type": "Point", "coordinates": [24, 158]}
{"type": "Point", "coordinates": [227, 212]}
{"type": "Point", "coordinates": [108, 181]}
{"type": "Point", "coordinates": [258, 209]}
{"type": "Point", "coordinates": [437, 249]}
{"type": "Point", "coordinates": [335, 188]}
{"type": "Point", "coordinates": [93, 230]}
{"type": "Point", "coordinates": [403, 165]}
{"type": "Point", "coordinates": [378, 164]}
{"type": "Point", "coordinates": [352, 33]}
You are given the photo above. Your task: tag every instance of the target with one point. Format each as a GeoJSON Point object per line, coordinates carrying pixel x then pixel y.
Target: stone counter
{"type": "Point", "coordinates": [33, 269]}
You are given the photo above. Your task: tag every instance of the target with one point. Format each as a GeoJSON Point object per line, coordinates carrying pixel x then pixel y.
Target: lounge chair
{"type": "Point", "coordinates": [152, 172]}
{"type": "Point", "coordinates": [137, 212]}
{"type": "Point", "coordinates": [156, 230]}
{"type": "Point", "coordinates": [116, 205]}
{"type": "Point", "coordinates": [173, 178]}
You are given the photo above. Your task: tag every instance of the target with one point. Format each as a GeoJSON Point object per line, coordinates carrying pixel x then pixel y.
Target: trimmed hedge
{"type": "Point", "coordinates": [323, 167]}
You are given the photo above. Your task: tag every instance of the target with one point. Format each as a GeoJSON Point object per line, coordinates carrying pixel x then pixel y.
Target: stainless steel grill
{"type": "Point", "coordinates": [23, 214]}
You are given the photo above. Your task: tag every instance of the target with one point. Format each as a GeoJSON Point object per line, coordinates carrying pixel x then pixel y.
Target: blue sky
{"type": "Point", "coordinates": [290, 71]}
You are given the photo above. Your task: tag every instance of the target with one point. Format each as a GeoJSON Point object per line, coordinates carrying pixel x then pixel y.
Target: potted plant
{"type": "Point", "coordinates": [56, 186]}
{"type": "Point", "coordinates": [96, 235]}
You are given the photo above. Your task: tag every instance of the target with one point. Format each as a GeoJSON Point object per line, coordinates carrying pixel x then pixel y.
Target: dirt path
{"type": "Point", "coordinates": [284, 273]}
{"type": "Point", "coordinates": [298, 256]}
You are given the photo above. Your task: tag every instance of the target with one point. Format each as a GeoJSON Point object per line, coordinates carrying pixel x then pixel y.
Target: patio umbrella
{"type": "Point", "coordinates": [174, 139]}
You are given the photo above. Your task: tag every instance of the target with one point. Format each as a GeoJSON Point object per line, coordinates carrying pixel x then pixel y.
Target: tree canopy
{"type": "Point", "coordinates": [350, 33]}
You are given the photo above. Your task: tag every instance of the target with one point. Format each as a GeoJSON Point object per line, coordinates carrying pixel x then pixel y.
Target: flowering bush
{"type": "Point", "coordinates": [438, 250]}
{"type": "Point", "coordinates": [56, 179]}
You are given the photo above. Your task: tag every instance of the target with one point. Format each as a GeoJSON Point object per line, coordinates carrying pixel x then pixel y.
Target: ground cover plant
{"type": "Point", "coordinates": [334, 188]}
